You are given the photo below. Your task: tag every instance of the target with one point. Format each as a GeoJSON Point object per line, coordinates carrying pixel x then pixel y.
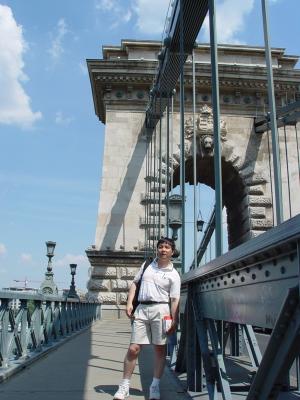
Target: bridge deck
{"type": "Point", "coordinates": [88, 367]}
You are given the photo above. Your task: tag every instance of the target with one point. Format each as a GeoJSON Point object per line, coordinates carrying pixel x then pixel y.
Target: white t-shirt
{"type": "Point", "coordinates": [158, 284]}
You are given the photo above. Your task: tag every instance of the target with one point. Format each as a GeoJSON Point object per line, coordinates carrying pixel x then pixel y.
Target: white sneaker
{"type": "Point", "coordinates": [154, 393]}
{"type": "Point", "coordinates": [122, 392]}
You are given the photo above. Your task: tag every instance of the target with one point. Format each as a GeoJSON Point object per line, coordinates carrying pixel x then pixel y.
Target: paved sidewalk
{"type": "Point", "coordinates": [89, 367]}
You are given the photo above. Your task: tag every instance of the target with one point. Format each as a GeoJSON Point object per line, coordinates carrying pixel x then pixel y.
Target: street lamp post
{"type": "Point", "coordinates": [175, 222]}
{"type": "Point", "coordinates": [175, 214]}
{"type": "Point", "coordinates": [72, 292]}
{"type": "Point", "coordinates": [48, 285]}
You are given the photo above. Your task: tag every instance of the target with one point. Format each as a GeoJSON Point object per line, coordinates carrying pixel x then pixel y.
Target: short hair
{"type": "Point", "coordinates": [170, 241]}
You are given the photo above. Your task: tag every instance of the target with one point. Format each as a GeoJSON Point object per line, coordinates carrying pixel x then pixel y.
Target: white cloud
{"type": "Point", "coordinates": [151, 15]}
{"type": "Point", "coordinates": [68, 259]}
{"type": "Point", "coordinates": [60, 119]}
{"type": "Point", "coordinates": [116, 10]}
{"type": "Point", "coordinates": [14, 102]}
{"type": "Point", "coordinates": [26, 258]}
{"type": "Point", "coordinates": [2, 249]}
{"type": "Point", "coordinates": [56, 50]}
{"type": "Point", "coordinates": [106, 5]}
{"type": "Point", "coordinates": [234, 12]}
{"type": "Point", "coordinates": [127, 16]}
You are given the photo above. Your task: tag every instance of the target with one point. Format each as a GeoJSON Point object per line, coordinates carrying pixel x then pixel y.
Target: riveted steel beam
{"type": "Point", "coordinates": [254, 276]}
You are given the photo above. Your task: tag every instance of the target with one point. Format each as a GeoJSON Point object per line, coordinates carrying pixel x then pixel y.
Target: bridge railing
{"type": "Point", "coordinates": [253, 285]}
{"type": "Point", "coordinates": [31, 324]}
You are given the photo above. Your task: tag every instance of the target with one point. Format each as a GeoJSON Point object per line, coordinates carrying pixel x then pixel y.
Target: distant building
{"type": "Point", "coordinates": [16, 302]}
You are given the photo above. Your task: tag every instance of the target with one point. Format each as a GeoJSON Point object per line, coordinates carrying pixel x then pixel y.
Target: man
{"type": "Point", "coordinates": [158, 297]}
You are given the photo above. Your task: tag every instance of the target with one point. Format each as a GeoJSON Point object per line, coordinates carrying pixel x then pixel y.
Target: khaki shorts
{"type": "Point", "coordinates": [147, 326]}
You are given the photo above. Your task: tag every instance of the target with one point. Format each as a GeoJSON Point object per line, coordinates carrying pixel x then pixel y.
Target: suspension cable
{"type": "Point", "coordinates": [273, 121]}
{"type": "Point", "coordinates": [182, 149]}
{"type": "Point", "coordinates": [298, 156]}
{"type": "Point", "coordinates": [287, 170]}
{"type": "Point", "coordinates": [146, 192]}
{"type": "Point", "coordinates": [271, 179]}
{"type": "Point", "coordinates": [168, 167]}
{"type": "Point", "coordinates": [172, 141]}
{"type": "Point", "coordinates": [216, 119]}
{"type": "Point", "coordinates": [151, 183]}
{"type": "Point", "coordinates": [194, 160]}
{"type": "Point", "coordinates": [154, 188]}
{"type": "Point", "coordinates": [149, 137]}
{"type": "Point", "coordinates": [160, 168]}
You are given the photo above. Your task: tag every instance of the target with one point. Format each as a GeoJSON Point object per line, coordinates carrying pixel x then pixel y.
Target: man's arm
{"type": "Point", "coordinates": [131, 294]}
{"type": "Point", "coordinates": [174, 314]}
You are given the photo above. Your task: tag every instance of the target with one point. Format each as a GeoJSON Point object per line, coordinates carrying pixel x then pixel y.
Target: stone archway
{"type": "Point", "coordinates": [244, 184]}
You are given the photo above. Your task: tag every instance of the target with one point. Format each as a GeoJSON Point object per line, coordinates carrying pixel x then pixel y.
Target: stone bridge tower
{"type": "Point", "coordinates": [120, 83]}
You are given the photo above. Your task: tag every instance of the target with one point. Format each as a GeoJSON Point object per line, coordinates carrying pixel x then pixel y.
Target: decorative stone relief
{"type": "Point", "coordinates": [233, 158]}
{"type": "Point", "coordinates": [255, 180]}
{"type": "Point", "coordinates": [228, 152]}
{"type": "Point", "coordinates": [122, 298]}
{"type": "Point", "coordinates": [128, 273]}
{"type": "Point", "coordinates": [238, 164]}
{"type": "Point", "coordinates": [257, 212]}
{"type": "Point", "coordinates": [204, 132]}
{"type": "Point", "coordinates": [260, 201]}
{"type": "Point", "coordinates": [262, 224]}
{"type": "Point", "coordinates": [257, 189]}
{"type": "Point", "coordinates": [107, 298]}
{"type": "Point", "coordinates": [204, 136]}
{"type": "Point", "coordinates": [99, 284]}
{"type": "Point", "coordinates": [120, 284]}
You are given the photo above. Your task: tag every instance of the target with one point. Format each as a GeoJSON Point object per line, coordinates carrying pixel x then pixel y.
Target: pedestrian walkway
{"type": "Point", "coordinates": [89, 367]}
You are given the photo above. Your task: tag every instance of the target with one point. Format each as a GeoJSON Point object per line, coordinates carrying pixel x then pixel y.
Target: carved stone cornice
{"type": "Point", "coordinates": [117, 80]}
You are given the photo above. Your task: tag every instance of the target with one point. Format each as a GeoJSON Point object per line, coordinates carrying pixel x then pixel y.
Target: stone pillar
{"type": "Point", "coordinates": [111, 275]}
{"type": "Point", "coordinates": [120, 83]}
{"type": "Point", "coordinates": [123, 174]}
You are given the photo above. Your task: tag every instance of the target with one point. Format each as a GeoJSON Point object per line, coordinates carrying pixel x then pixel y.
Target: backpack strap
{"type": "Point", "coordinates": [146, 265]}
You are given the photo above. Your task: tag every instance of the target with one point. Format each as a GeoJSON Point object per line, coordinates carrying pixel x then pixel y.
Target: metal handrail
{"type": "Point", "coordinates": [32, 323]}
{"type": "Point", "coordinates": [271, 241]}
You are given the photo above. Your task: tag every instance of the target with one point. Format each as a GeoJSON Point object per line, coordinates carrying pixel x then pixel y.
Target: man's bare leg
{"type": "Point", "coordinates": [130, 360]}
{"type": "Point", "coordinates": [159, 360]}
{"type": "Point", "coordinates": [159, 365]}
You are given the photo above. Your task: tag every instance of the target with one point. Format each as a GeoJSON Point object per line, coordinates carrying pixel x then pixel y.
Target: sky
{"type": "Point", "coordinates": [51, 141]}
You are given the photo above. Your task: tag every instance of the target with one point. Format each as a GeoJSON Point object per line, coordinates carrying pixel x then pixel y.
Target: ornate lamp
{"type": "Point", "coordinates": [72, 292]}
{"type": "Point", "coordinates": [50, 253]}
{"type": "Point", "coordinates": [200, 224]}
{"type": "Point", "coordinates": [175, 214]}
{"type": "Point", "coordinates": [48, 286]}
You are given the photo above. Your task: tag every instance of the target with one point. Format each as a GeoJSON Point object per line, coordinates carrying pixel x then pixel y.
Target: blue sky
{"type": "Point", "coordinates": [51, 140]}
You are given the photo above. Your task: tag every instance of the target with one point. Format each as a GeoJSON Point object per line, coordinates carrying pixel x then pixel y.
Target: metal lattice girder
{"type": "Point", "coordinates": [203, 326]}
{"type": "Point", "coordinates": [194, 12]}
{"type": "Point", "coordinates": [282, 349]}
{"type": "Point", "coordinates": [252, 345]}
{"type": "Point", "coordinates": [254, 276]}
